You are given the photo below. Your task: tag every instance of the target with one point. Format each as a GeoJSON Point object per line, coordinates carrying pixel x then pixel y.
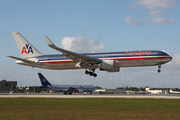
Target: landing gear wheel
{"type": "Point", "coordinates": [95, 75]}
{"type": "Point", "coordinates": [159, 68]}
{"type": "Point", "coordinates": [91, 73]}
{"type": "Point", "coordinates": [87, 72]}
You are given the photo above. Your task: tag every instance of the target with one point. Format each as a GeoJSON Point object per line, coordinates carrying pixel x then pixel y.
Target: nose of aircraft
{"type": "Point", "coordinates": [170, 58]}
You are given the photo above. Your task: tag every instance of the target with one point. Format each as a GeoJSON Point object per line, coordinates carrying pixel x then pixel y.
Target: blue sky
{"type": "Point", "coordinates": [92, 26]}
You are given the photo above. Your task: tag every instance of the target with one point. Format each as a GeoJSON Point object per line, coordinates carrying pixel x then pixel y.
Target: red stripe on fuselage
{"type": "Point", "coordinates": [125, 58]}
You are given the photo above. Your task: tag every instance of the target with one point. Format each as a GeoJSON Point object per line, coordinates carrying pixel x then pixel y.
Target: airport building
{"type": "Point", "coordinates": [7, 86]}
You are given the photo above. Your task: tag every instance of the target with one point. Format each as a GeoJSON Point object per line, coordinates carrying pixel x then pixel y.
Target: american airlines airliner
{"type": "Point", "coordinates": [105, 61]}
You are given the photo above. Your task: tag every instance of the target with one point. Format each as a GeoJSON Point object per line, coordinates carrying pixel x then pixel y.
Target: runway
{"type": "Point", "coordinates": [49, 95]}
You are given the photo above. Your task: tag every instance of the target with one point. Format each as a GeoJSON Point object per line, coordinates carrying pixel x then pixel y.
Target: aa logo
{"type": "Point", "coordinates": [27, 49]}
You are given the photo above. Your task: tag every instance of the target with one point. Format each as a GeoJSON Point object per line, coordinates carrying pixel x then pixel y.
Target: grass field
{"type": "Point", "coordinates": [89, 108]}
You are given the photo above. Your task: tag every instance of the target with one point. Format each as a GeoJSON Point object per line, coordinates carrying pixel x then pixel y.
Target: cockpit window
{"type": "Point", "coordinates": [165, 54]}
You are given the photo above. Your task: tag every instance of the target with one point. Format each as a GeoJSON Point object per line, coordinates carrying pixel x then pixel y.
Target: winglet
{"type": "Point", "coordinates": [48, 41]}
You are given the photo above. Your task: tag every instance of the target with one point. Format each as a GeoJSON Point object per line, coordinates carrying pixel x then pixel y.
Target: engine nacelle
{"type": "Point", "coordinates": [80, 91]}
{"type": "Point", "coordinates": [116, 69]}
{"type": "Point", "coordinates": [108, 64]}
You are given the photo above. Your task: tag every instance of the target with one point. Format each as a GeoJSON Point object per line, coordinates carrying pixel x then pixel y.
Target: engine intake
{"type": "Point", "coordinates": [108, 64]}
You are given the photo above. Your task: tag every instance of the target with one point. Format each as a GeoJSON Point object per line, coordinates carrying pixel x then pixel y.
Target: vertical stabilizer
{"type": "Point", "coordinates": [25, 48]}
{"type": "Point", "coordinates": [43, 80]}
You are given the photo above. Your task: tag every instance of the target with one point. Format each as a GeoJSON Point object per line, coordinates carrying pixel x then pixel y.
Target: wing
{"type": "Point", "coordinates": [72, 55]}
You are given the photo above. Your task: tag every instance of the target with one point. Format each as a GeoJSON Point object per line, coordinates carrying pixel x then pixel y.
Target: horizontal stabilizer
{"type": "Point", "coordinates": [21, 59]}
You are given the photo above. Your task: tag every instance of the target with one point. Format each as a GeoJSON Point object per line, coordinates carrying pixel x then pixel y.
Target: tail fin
{"type": "Point", "coordinates": [25, 48]}
{"type": "Point", "coordinates": [43, 80]}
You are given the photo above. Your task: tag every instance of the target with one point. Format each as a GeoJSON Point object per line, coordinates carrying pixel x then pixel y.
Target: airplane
{"type": "Point", "coordinates": [139, 92]}
{"type": "Point", "coordinates": [174, 92]}
{"type": "Point", "coordinates": [105, 61]}
{"type": "Point", "coordinates": [66, 89]}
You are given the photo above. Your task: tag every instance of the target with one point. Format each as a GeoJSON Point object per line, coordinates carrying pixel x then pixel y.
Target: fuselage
{"type": "Point", "coordinates": [126, 59]}
{"type": "Point", "coordinates": [65, 88]}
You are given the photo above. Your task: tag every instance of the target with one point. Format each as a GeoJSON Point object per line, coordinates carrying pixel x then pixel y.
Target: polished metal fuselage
{"type": "Point", "coordinates": [126, 59]}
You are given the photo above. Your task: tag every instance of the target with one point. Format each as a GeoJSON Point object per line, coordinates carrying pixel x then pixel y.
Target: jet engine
{"type": "Point", "coordinates": [109, 65]}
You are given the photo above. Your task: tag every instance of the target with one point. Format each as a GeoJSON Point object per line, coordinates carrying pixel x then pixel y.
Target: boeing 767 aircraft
{"type": "Point", "coordinates": [66, 89]}
{"type": "Point", "coordinates": [106, 61]}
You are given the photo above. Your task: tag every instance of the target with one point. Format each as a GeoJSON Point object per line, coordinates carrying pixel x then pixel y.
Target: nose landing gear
{"type": "Point", "coordinates": [159, 68]}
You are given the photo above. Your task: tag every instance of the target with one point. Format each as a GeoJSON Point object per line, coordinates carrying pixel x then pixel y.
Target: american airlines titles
{"type": "Point", "coordinates": [138, 53]}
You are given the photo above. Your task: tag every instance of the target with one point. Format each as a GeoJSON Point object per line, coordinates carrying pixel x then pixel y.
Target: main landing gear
{"type": "Point", "coordinates": [159, 68]}
{"type": "Point", "coordinates": [91, 73]}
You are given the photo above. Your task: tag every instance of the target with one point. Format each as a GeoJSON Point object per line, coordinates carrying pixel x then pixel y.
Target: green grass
{"type": "Point", "coordinates": [89, 108]}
